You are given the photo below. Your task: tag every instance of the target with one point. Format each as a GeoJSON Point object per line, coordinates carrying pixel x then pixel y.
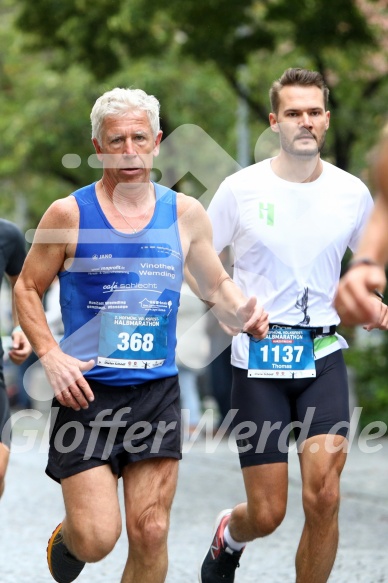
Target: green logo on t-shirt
{"type": "Point", "coordinates": [267, 212]}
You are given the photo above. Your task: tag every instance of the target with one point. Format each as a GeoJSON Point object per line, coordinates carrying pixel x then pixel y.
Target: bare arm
{"type": "Point", "coordinates": [212, 282]}
{"type": "Point", "coordinates": [355, 300]}
{"type": "Point", "coordinates": [53, 244]}
{"type": "Point", "coordinates": [21, 348]}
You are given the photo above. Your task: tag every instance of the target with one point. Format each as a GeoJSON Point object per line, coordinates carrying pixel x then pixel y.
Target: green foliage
{"type": "Point", "coordinates": [318, 25]}
{"type": "Point", "coordinates": [370, 365]}
{"type": "Point", "coordinates": [264, 37]}
{"type": "Point", "coordinates": [46, 115]}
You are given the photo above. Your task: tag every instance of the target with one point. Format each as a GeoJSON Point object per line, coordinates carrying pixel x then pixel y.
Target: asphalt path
{"type": "Point", "coordinates": [209, 481]}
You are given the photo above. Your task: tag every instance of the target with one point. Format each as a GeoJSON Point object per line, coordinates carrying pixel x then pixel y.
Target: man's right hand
{"type": "Point", "coordinates": [65, 375]}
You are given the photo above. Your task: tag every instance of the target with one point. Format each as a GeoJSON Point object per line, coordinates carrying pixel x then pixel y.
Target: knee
{"type": "Point", "coordinates": [93, 544]}
{"type": "Point", "coordinates": [266, 520]}
{"type": "Point", "coordinates": [321, 502]}
{"type": "Point", "coordinates": [149, 531]}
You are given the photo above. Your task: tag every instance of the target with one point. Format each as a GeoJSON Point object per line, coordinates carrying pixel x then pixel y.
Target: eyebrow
{"type": "Point", "coordinates": [298, 109]}
{"type": "Point", "coordinates": [122, 134]}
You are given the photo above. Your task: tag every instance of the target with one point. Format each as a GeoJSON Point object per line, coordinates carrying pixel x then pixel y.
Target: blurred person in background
{"type": "Point", "coordinates": [12, 255]}
{"type": "Point", "coordinates": [191, 355]}
{"type": "Point", "coordinates": [28, 369]}
{"type": "Point", "coordinates": [220, 368]}
{"type": "Point", "coordinates": [365, 277]}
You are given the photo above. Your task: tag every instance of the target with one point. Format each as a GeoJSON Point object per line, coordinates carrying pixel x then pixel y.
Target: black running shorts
{"type": "Point", "coordinates": [122, 425]}
{"type": "Point", "coordinates": [270, 410]}
{"type": "Point", "coordinates": [5, 432]}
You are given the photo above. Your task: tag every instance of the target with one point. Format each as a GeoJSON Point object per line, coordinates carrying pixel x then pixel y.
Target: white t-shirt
{"type": "Point", "coordinates": [288, 240]}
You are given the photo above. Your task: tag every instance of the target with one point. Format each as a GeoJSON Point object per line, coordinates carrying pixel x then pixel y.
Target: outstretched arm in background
{"type": "Point", "coordinates": [356, 302]}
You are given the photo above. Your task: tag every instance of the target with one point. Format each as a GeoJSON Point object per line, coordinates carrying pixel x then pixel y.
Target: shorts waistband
{"type": "Point", "coordinates": [315, 330]}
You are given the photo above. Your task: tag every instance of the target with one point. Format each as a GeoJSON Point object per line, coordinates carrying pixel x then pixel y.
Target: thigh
{"type": "Point", "coordinates": [263, 418]}
{"type": "Point", "coordinates": [323, 407]}
{"type": "Point", "coordinates": [322, 459]}
{"type": "Point", "coordinates": [91, 501]}
{"type": "Point", "coordinates": [266, 487]}
{"type": "Point", "coordinates": [149, 489]}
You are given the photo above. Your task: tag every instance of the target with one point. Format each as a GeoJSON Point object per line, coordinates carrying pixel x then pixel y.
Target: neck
{"type": "Point", "coordinates": [131, 210]}
{"type": "Point", "coordinates": [296, 169]}
{"type": "Point", "coordinates": [135, 196]}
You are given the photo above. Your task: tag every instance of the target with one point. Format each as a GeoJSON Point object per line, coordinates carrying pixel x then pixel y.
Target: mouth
{"type": "Point", "coordinates": [305, 137]}
{"type": "Point", "coordinates": [131, 169]}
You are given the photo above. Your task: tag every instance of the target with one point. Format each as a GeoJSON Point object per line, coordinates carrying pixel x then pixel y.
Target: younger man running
{"type": "Point", "coordinates": [290, 220]}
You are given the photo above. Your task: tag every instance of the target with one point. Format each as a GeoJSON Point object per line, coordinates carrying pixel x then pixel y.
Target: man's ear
{"type": "Point", "coordinates": [273, 122]}
{"type": "Point", "coordinates": [327, 119]}
{"type": "Point", "coordinates": [158, 139]}
{"type": "Point", "coordinates": [97, 148]}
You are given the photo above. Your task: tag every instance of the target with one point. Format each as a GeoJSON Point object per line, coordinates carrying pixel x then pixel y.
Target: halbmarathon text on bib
{"type": "Point", "coordinates": [132, 341]}
{"type": "Point", "coordinates": [284, 353]}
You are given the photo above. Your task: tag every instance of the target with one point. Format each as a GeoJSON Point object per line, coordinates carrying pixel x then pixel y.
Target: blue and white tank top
{"type": "Point", "coordinates": [120, 295]}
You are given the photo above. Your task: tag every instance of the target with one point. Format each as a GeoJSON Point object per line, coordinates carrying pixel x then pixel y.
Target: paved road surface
{"type": "Point", "coordinates": [32, 507]}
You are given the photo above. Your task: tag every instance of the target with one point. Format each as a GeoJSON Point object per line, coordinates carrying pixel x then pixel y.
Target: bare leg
{"type": "Point", "coordinates": [4, 458]}
{"type": "Point", "coordinates": [93, 522]}
{"type": "Point", "coordinates": [149, 489]}
{"type": "Point", "coordinates": [321, 494]}
{"type": "Point", "coordinates": [266, 487]}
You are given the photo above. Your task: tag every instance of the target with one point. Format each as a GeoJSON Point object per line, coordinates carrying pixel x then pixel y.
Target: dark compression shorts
{"type": "Point", "coordinates": [268, 410]}
{"type": "Point", "coordinates": [122, 425]}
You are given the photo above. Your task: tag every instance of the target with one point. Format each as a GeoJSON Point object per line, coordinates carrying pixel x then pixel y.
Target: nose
{"type": "Point", "coordinates": [306, 121]}
{"type": "Point", "coordinates": [129, 147]}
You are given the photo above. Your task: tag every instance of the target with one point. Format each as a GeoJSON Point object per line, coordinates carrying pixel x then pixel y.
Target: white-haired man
{"type": "Point", "coordinates": [119, 247]}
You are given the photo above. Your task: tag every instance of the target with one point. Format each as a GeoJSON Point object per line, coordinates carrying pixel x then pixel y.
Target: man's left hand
{"type": "Point", "coordinates": [253, 318]}
{"type": "Point", "coordinates": [21, 348]}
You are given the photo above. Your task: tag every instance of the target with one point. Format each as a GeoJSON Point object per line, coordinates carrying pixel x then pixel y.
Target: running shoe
{"type": "Point", "coordinates": [220, 563]}
{"type": "Point", "coordinates": [63, 566]}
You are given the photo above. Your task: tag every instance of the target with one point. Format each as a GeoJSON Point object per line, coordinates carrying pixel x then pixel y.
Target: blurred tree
{"type": "Point", "coordinates": [341, 38]}
{"type": "Point", "coordinates": [35, 101]}
{"type": "Point", "coordinates": [45, 124]}
{"type": "Point", "coordinates": [369, 362]}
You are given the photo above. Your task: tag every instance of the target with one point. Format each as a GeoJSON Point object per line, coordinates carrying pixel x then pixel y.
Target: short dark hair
{"type": "Point", "coordinates": [297, 76]}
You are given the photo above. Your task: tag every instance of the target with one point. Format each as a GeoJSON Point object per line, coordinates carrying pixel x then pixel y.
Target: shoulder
{"type": "Point", "coordinates": [245, 180]}
{"type": "Point", "coordinates": [12, 246]}
{"type": "Point", "coordinates": [10, 230]}
{"type": "Point", "coordinates": [12, 240]}
{"type": "Point", "coordinates": [249, 173]}
{"type": "Point", "coordinates": [343, 177]}
{"type": "Point", "coordinates": [62, 213]}
{"type": "Point", "coordinates": [194, 223]}
{"type": "Point", "coordinates": [188, 206]}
